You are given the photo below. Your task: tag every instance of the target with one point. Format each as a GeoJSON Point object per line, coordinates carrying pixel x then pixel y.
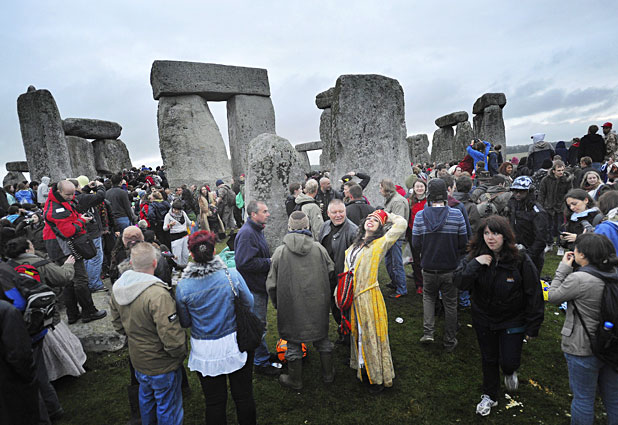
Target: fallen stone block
{"type": "Point", "coordinates": [452, 119]}
{"type": "Point", "coordinates": [21, 166]}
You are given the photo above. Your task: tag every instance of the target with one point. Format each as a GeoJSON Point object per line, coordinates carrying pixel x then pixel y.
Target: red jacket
{"type": "Point", "coordinates": [416, 207]}
{"type": "Point", "coordinates": [61, 214]}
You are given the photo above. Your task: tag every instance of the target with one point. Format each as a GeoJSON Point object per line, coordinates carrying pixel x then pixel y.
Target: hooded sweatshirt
{"type": "Point", "coordinates": [143, 309]}
{"type": "Point", "coordinates": [43, 190]}
{"type": "Point", "coordinates": [439, 233]}
{"type": "Point", "coordinates": [609, 227]}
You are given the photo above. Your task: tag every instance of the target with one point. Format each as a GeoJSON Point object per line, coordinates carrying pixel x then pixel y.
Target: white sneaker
{"type": "Point", "coordinates": [560, 252]}
{"type": "Point", "coordinates": [484, 407]}
{"type": "Point", "coordinates": [511, 382]}
{"type": "Point", "coordinates": [426, 339]}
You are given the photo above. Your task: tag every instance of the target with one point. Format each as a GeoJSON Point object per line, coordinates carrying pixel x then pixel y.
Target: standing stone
{"type": "Point", "coordinates": [326, 135]}
{"type": "Point", "coordinates": [273, 165]}
{"type": "Point", "coordinates": [488, 99]}
{"type": "Point", "coordinates": [91, 128]}
{"type": "Point", "coordinates": [369, 131]}
{"type": "Point", "coordinates": [463, 136]}
{"type": "Point", "coordinates": [418, 146]}
{"type": "Point", "coordinates": [191, 145]}
{"type": "Point", "coordinates": [442, 145]}
{"type": "Point", "coordinates": [13, 177]}
{"type": "Point", "coordinates": [17, 166]}
{"type": "Point", "coordinates": [477, 122]}
{"type": "Point", "coordinates": [110, 156]}
{"type": "Point", "coordinates": [81, 154]}
{"type": "Point", "coordinates": [493, 126]}
{"type": "Point", "coordinates": [247, 117]}
{"type": "Point", "coordinates": [304, 159]}
{"type": "Point", "coordinates": [43, 135]}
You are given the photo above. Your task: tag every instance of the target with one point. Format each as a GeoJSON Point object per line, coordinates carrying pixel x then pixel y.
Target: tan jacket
{"type": "Point", "coordinates": [313, 212]}
{"type": "Point", "coordinates": [143, 309]}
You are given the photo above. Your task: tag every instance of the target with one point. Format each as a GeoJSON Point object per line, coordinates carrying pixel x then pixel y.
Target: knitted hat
{"type": "Point", "coordinates": [379, 215]}
{"type": "Point", "coordinates": [298, 221]}
{"type": "Point", "coordinates": [219, 182]}
{"type": "Point", "coordinates": [437, 190]}
{"type": "Point", "coordinates": [83, 181]}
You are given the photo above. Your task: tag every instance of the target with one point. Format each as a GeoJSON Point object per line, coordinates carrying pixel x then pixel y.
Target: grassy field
{"type": "Point", "coordinates": [431, 386]}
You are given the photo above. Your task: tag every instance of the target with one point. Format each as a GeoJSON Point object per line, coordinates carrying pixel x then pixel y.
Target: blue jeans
{"type": "Point", "coordinates": [394, 267]}
{"type": "Point", "coordinates": [260, 307]}
{"type": "Point", "coordinates": [160, 398]}
{"type": "Point", "coordinates": [585, 374]}
{"type": "Point", "coordinates": [122, 223]}
{"type": "Point", "coordinates": [93, 267]}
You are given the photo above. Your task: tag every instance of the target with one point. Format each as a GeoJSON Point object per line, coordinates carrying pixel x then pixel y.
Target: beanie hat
{"type": "Point", "coordinates": [219, 182]}
{"type": "Point", "coordinates": [437, 190]}
{"type": "Point", "coordinates": [298, 221]}
{"type": "Point", "coordinates": [379, 215]}
{"type": "Point", "coordinates": [83, 181]}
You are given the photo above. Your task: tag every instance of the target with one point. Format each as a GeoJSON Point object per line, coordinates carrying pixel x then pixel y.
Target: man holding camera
{"type": "Point", "coordinates": [63, 222]}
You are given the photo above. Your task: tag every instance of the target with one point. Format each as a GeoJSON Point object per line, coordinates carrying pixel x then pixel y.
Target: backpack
{"type": "Point", "coordinates": [40, 300]}
{"type": "Point", "coordinates": [230, 197]}
{"type": "Point", "coordinates": [492, 203]}
{"type": "Point", "coordinates": [239, 202]}
{"type": "Point", "coordinates": [299, 207]}
{"type": "Point", "coordinates": [605, 347]}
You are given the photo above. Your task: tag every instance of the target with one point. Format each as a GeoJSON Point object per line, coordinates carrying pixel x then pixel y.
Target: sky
{"type": "Point", "coordinates": [552, 59]}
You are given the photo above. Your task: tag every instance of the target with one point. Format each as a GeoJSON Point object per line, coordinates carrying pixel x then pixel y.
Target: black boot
{"type": "Point", "coordinates": [294, 378]}
{"type": "Point", "coordinates": [133, 391]}
{"type": "Point", "coordinates": [328, 369]}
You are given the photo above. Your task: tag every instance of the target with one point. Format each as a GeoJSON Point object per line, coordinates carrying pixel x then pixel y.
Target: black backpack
{"type": "Point", "coordinates": [605, 347]}
{"type": "Point", "coordinates": [299, 207]}
{"type": "Point", "coordinates": [40, 300]}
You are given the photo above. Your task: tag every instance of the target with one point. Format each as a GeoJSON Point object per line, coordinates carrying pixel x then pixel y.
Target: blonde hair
{"type": "Point", "coordinates": [311, 186]}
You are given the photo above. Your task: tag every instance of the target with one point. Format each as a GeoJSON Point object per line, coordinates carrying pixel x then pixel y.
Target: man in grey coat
{"type": "Point", "coordinates": [299, 287]}
{"type": "Point", "coordinates": [395, 204]}
{"type": "Point", "coordinates": [307, 204]}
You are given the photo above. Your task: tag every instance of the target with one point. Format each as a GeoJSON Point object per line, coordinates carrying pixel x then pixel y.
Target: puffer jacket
{"type": "Point", "coordinates": [551, 193]}
{"type": "Point", "coordinates": [61, 217]}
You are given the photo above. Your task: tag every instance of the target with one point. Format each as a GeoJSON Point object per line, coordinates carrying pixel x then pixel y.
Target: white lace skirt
{"type": "Point", "coordinates": [214, 357]}
{"type": "Point", "coordinates": [63, 353]}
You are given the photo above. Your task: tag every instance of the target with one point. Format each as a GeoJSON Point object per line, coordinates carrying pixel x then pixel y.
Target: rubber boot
{"type": "Point", "coordinates": [133, 391]}
{"type": "Point", "coordinates": [328, 370]}
{"type": "Point", "coordinates": [294, 378]}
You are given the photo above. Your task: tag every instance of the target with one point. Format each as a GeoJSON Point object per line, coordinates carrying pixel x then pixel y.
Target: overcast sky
{"type": "Point", "coordinates": [553, 59]}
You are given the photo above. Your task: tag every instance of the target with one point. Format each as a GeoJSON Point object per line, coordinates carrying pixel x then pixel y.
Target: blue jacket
{"type": "Point", "coordinates": [252, 256]}
{"type": "Point", "coordinates": [479, 156]}
{"type": "Point", "coordinates": [205, 301]}
{"type": "Point", "coordinates": [610, 229]}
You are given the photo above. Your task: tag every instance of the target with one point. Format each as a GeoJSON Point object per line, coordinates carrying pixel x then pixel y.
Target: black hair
{"type": "Point", "coordinates": [497, 224]}
{"type": "Point", "coordinates": [464, 184]}
{"type": "Point", "coordinates": [16, 247]}
{"type": "Point", "coordinates": [598, 250]}
{"type": "Point", "coordinates": [360, 234]}
{"type": "Point", "coordinates": [116, 179]}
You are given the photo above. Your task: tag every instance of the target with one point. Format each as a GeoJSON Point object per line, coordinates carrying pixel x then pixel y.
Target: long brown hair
{"type": "Point", "coordinates": [497, 224]}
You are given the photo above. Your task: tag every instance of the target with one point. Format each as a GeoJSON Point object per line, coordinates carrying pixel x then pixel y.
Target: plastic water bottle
{"type": "Point", "coordinates": [608, 326]}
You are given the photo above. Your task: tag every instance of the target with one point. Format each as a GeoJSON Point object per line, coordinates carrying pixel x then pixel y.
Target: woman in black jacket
{"type": "Point", "coordinates": [507, 304]}
{"type": "Point", "coordinates": [581, 214]}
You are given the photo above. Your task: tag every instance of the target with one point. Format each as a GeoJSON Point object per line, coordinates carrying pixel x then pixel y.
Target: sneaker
{"type": "Point", "coordinates": [101, 289]}
{"type": "Point", "coordinates": [484, 407]}
{"type": "Point", "coordinates": [511, 382]}
{"type": "Point", "coordinates": [395, 295]}
{"type": "Point", "coordinates": [268, 370]}
{"type": "Point", "coordinates": [99, 314]}
{"type": "Point", "coordinates": [426, 339]}
{"type": "Point", "coordinates": [419, 290]}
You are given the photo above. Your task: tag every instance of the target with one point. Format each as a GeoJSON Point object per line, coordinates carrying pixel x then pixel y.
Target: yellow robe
{"type": "Point", "coordinates": [368, 310]}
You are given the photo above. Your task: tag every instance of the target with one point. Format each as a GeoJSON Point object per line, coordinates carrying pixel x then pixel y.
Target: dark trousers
{"type": "Point", "coordinates": [48, 399]}
{"type": "Point", "coordinates": [241, 387]}
{"type": "Point", "coordinates": [555, 222]}
{"type": "Point", "coordinates": [161, 235]}
{"type": "Point", "coordinates": [498, 350]}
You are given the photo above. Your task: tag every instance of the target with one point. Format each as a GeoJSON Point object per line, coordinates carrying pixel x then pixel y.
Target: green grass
{"type": "Point", "coordinates": [430, 387]}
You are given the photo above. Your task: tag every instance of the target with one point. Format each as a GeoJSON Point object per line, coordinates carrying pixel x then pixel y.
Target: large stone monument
{"type": "Point", "coordinates": [43, 135]}
{"type": "Point", "coordinates": [488, 120]}
{"type": "Point", "coordinates": [324, 101]}
{"type": "Point", "coordinates": [81, 154]}
{"type": "Point", "coordinates": [368, 130]}
{"type": "Point", "coordinates": [110, 156]}
{"type": "Point", "coordinates": [446, 144]}
{"type": "Point", "coordinates": [273, 164]}
{"type": "Point", "coordinates": [418, 146]}
{"type": "Point", "coordinates": [249, 111]}
{"type": "Point", "coordinates": [91, 129]}
{"type": "Point", "coordinates": [303, 148]}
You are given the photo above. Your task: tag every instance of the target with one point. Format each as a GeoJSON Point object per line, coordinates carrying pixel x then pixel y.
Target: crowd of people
{"type": "Point", "coordinates": [475, 231]}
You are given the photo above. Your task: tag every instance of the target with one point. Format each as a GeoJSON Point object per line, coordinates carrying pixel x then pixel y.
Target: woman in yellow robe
{"type": "Point", "coordinates": [370, 350]}
{"type": "Point", "coordinates": [205, 200]}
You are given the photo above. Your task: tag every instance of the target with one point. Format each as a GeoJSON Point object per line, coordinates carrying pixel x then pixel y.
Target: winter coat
{"type": "Point", "coordinates": [573, 155]}
{"type": "Point", "coordinates": [205, 300]}
{"type": "Point", "coordinates": [143, 309]}
{"type": "Point", "coordinates": [252, 256]}
{"type": "Point", "coordinates": [609, 228]}
{"type": "Point", "coordinates": [357, 210]}
{"type": "Point", "coordinates": [551, 193]}
{"type": "Point", "coordinates": [397, 204]}
{"type": "Point", "coordinates": [575, 223]}
{"type": "Point", "coordinates": [62, 216]}
{"type": "Point", "coordinates": [121, 205]}
{"type": "Point", "coordinates": [89, 202]}
{"type": "Point", "coordinates": [417, 205]}
{"type": "Point", "coordinates": [51, 274]}
{"type": "Point", "coordinates": [505, 295]}
{"type": "Point", "coordinates": [585, 287]}
{"type": "Point", "coordinates": [478, 156]}
{"type": "Point", "coordinates": [313, 212]}
{"type": "Point", "coordinates": [529, 222]}
{"type": "Point", "coordinates": [157, 212]}
{"type": "Point", "coordinates": [43, 191]}
{"type": "Point", "coordinates": [24, 197]}
{"type": "Point", "coordinates": [539, 152]}
{"type": "Point", "coordinates": [562, 151]}
{"type": "Point", "coordinates": [592, 145]}
{"type": "Point", "coordinates": [299, 287]}
{"type": "Point", "coordinates": [339, 242]}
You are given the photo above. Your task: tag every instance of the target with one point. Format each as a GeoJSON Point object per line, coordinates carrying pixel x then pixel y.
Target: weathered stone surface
{"type": "Point", "coordinates": [98, 336]}
{"type": "Point", "coordinates": [418, 146]}
{"type": "Point", "coordinates": [477, 125]}
{"type": "Point", "coordinates": [43, 135]}
{"type": "Point", "coordinates": [493, 126]}
{"type": "Point", "coordinates": [452, 119]}
{"type": "Point", "coordinates": [209, 80]}
{"type": "Point", "coordinates": [81, 153]}
{"type": "Point", "coordinates": [273, 165]}
{"type": "Point", "coordinates": [304, 158]}
{"type": "Point", "coordinates": [326, 135]}
{"type": "Point", "coordinates": [110, 156]}
{"type": "Point", "coordinates": [463, 136]}
{"type": "Point", "coordinates": [190, 142]}
{"type": "Point", "coordinates": [325, 99]}
{"type": "Point", "coordinates": [247, 117]}
{"type": "Point", "coordinates": [91, 129]}
{"type": "Point", "coordinates": [369, 131]}
{"type": "Point", "coordinates": [442, 145]}
{"type": "Point", "coordinates": [17, 166]}
{"type": "Point", "coordinates": [309, 146]}
{"type": "Point", "coordinates": [13, 177]}
{"type": "Point", "coordinates": [488, 99]}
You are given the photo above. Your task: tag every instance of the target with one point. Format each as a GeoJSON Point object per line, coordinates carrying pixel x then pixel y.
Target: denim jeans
{"type": "Point", "coordinates": [122, 223]}
{"type": "Point", "coordinates": [394, 267]}
{"type": "Point", "coordinates": [93, 267]}
{"type": "Point", "coordinates": [160, 398]}
{"type": "Point", "coordinates": [433, 283]}
{"type": "Point", "coordinates": [586, 373]}
{"type": "Point", "coordinates": [260, 307]}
